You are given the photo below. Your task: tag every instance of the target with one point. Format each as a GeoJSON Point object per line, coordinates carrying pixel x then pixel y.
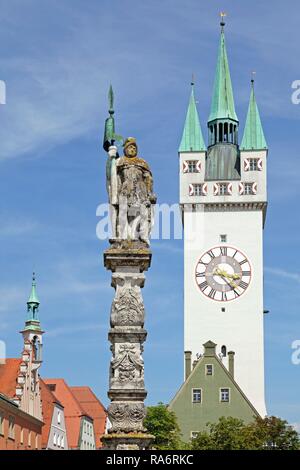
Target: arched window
{"type": "Point", "coordinates": [226, 132]}
{"type": "Point", "coordinates": [224, 351]}
{"type": "Point", "coordinates": [220, 132]}
{"type": "Point", "coordinates": [215, 136]}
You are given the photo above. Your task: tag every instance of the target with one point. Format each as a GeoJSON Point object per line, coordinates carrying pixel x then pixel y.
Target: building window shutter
{"type": "Point", "coordinates": [198, 166]}
{"type": "Point", "coordinates": [241, 188]}
{"type": "Point", "coordinates": [191, 189]}
{"type": "Point", "coordinates": [254, 188]}
{"type": "Point", "coordinates": [246, 164]}
{"type": "Point", "coordinates": [204, 189]}
{"type": "Point", "coordinates": [229, 188]}
{"type": "Point", "coordinates": [216, 189]}
{"type": "Point", "coordinates": [260, 164]}
{"type": "Point", "coordinates": [185, 166]}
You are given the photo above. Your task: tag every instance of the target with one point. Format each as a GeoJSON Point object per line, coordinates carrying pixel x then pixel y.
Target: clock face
{"type": "Point", "coordinates": [223, 273]}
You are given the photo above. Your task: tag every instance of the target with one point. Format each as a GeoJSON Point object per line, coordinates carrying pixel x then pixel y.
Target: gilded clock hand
{"type": "Point", "coordinates": [226, 276]}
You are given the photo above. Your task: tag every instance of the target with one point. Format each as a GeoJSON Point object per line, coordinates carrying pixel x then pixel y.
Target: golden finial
{"type": "Point", "coordinates": [223, 16]}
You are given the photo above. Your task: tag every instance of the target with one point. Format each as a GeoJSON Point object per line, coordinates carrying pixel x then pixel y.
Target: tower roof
{"type": "Point", "coordinates": [33, 298]}
{"type": "Point", "coordinates": [33, 303]}
{"type": "Point", "coordinates": [192, 138]}
{"type": "Point", "coordinates": [222, 105]}
{"type": "Point", "coordinates": [253, 138]}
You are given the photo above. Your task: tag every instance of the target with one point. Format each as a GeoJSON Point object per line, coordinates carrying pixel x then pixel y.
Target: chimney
{"type": "Point", "coordinates": [188, 363]}
{"type": "Point", "coordinates": [231, 363]}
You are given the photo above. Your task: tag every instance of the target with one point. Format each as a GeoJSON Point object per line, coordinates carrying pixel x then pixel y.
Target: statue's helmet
{"type": "Point", "coordinates": [129, 141]}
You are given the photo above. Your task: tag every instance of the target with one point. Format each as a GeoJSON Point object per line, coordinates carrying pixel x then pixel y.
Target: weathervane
{"type": "Point", "coordinates": [253, 73]}
{"type": "Point", "coordinates": [223, 16]}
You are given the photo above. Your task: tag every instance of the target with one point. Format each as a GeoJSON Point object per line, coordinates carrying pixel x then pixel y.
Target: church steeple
{"type": "Point", "coordinates": [32, 332]}
{"type": "Point", "coordinates": [33, 303]}
{"type": "Point", "coordinates": [192, 138]}
{"type": "Point", "coordinates": [222, 121]}
{"type": "Point", "coordinates": [253, 138]}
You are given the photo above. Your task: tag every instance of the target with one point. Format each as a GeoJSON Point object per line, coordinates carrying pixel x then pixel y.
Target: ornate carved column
{"type": "Point", "coordinates": [127, 261]}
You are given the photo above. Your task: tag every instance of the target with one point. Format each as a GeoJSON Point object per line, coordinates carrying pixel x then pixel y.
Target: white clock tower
{"type": "Point", "coordinates": [223, 199]}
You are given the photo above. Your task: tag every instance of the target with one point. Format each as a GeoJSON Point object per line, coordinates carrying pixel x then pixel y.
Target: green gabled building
{"type": "Point", "coordinates": [208, 393]}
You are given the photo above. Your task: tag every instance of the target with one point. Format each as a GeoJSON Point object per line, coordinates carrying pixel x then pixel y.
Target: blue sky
{"type": "Point", "coordinates": [58, 59]}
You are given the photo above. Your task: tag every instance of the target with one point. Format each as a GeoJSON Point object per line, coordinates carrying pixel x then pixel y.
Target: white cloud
{"type": "Point", "coordinates": [17, 227]}
{"type": "Point", "coordinates": [70, 329]}
{"type": "Point", "coordinates": [283, 274]}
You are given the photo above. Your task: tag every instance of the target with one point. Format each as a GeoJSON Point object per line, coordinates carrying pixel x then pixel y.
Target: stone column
{"type": "Point", "coordinates": [127, 260]}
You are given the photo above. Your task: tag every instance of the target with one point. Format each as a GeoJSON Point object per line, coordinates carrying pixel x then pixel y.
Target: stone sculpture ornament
{"type": "Point", "coordinates": [130, 191]}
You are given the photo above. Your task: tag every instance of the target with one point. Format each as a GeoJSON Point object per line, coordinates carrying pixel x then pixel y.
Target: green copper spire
{"type": "Point", "coordinates": [33, 303]}
{"type": "Point", "coordinates": [192, 138]}
{"type": "Point", "coordinates": [253, 138]}
{"type": "Point", "coordinates": [222, 106]}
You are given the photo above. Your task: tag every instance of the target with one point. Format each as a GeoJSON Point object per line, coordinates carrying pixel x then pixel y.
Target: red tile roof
{"type": "Point", "coordinates": [48, 402]}
{"type": "Point", "coordinates": [72, 409]}
{"type": "Point", "coordinates": [94, 408]}
{"type": "Point", "coordinates": [8, 376]}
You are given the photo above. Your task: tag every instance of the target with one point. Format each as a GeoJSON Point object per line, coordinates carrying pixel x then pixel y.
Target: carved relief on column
{"type": "Point", "coordinates": [126, 416]}
{"type": "Point", "coordinates": [127, 366]}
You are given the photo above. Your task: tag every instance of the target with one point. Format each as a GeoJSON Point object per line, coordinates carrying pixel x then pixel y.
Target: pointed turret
{"type": "Point", "coordinates": [192, 138]}
{"type": "Point", "coordinates": [32, 333]}
{"type": "Point", "coordinates": [223, 155]}
{"type": "Point", "coordinates": [222, 106]}
{"type": "Point", "coordinates": [33, 308]}
{"type": "Point", "coordinates": [253, 138]}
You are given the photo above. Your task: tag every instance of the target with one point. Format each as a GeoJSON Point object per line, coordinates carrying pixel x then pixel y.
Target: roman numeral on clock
{"type": "Point", "coordinates": [243, 285]}
{"type": "Point", "coordinates": [243, 262]}
{"type": "Point", "coordinates": [223, 250]}
{"type": "Point", "coordinates": [246, 273]}
{"type": "Point", "coordinates": [224, 296]}
{"type": "Point", "coordinates": [203, 285]}
{"type": "Point", "coordinates": [212, 293]}
{"type": "Point", "coordinates": [200, 274]}
{"type": "Point", "coordinates": [211, 254]}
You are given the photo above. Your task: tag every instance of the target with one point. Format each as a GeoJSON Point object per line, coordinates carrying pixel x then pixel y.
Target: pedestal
{"type": "Point", "coordinates": [127, 260]}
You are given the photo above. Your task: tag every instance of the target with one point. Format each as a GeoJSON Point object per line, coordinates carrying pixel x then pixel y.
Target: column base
{"type": "Point", "coordinates": [124, 441]}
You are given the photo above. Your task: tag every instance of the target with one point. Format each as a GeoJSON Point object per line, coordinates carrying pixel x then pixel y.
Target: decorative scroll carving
{"type": "Point", "coordinates": [126, 417]}
{"type": "Point", "coordinates": [127, 308]}
{"type": "Point", "coordinates": [128, 364]}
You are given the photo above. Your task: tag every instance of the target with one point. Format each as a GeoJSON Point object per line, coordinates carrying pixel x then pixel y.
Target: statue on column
{"type": "Point", "coordinates": [130, 188]}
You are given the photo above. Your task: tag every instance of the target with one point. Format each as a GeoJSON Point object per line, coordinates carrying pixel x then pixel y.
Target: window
{"type": "Point", "coordinates": [58, 417]}
{"type": "Point", "coordinates": [253, 164]}
{"type": "Point", "coordinates": [22, 436]}
{"type": "Point", "coordinates": [198, 189]}
{"type": "Point", "coordinates": [11, 427]}
{"type": "Point", "coordinates": [2, 424]}
{"type": "Point", "coordinates": [62, 442]}
{"type": "Point", "coordinates": [223, 238]}
{"type": "Point", "coordinates": [54, 439]}
{"type": "Point", "coordinates": [58, 441]}
{"type": "Point", "coordinates": [192, 166]}
{"type": "Point", "coordinates": [224, 351]}
{"type": "Point", "coordinates": [209, 369]}
{"type": "Point", "coordinates": [194, 434]}
{"type": "Point", "coordinates": [223, 189]}
{"type": "Point", "coordinates": [197, 395]}
{"type": "Point", "coordinates": [248, 189]}
{"type": "Point", "coordinates": [36, 441]}
{"type": "Point", "coordinates": [224, 394]}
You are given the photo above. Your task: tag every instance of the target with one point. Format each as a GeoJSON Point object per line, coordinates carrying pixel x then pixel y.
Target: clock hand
{"type": "Point", "coordinates": [226, 276]}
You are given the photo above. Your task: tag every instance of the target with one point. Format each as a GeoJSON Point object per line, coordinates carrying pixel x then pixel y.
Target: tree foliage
{"type": "Point", "coordinates": [162, 423]}
{"type": "Point", "coordinates": [269, 433]}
